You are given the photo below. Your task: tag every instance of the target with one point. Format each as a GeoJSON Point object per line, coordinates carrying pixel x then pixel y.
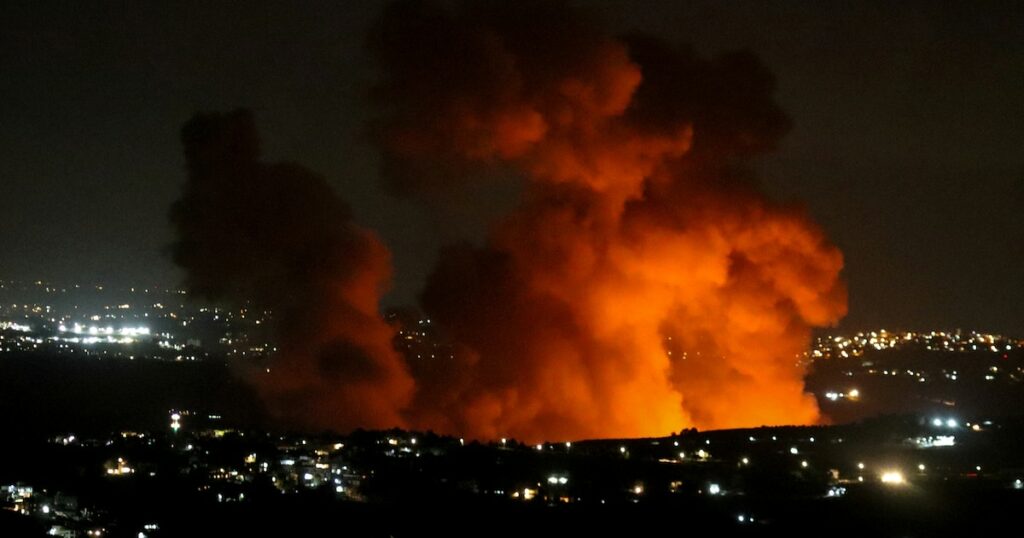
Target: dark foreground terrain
{"type": "Point", "coordinates": [88, 450]}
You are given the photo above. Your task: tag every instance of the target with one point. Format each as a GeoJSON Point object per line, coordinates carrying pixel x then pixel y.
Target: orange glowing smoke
{"type": "Point", "coordinates": [642, 285]}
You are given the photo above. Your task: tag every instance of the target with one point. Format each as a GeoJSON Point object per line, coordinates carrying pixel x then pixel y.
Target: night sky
{"type": "Point", "coordinates": [907, 145]}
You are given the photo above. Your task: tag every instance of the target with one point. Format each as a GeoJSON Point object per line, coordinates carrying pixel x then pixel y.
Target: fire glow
{"type": "Point", "coordinates": [641, 285]}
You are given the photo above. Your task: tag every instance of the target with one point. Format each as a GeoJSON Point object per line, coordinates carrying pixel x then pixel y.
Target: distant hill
{"type": "Point", "coordinates": [957, 384]}
{"type": "Point", "coordinates": [42, 394]}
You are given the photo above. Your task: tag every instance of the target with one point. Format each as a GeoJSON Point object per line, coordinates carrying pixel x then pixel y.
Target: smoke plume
{"type": "Point", "coordinates": [276, 237]}
{"type": "Point", "coordinates": [642, 284]}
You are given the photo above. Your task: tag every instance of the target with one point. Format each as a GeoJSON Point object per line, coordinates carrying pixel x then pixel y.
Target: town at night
{"type": "Point", "coordinates": [155, 438]}
{"type": "Point", "coordinates": [511, 268]}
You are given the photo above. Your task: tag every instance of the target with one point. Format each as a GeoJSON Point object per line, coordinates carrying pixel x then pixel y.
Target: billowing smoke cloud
{"type": "Point", "coordinates": [276, 237]}
{"type": "Point", "coordinates": [642, 284]}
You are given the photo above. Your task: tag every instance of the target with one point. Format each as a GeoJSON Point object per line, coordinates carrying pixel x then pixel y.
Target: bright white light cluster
{"type": "Point", "coordinates": [12, 326]}
{"type": "Point", "coordinates": [78, 328]}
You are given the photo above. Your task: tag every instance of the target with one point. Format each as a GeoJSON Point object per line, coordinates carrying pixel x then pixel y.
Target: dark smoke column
{"type": "Point", "coordinates": [274, 235]}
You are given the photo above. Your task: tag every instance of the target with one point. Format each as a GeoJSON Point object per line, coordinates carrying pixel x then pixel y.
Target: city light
{"type": "Point", "coordinates": [120, 468]}
{"type": "Point", "coordinates": [957, 342]}
{"type": "Point", "coordinates": [836, 491]}
{"type": "Point", "coordinates": [894, 478]}
{"type": "Point", "coordinates": [285, 463]}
